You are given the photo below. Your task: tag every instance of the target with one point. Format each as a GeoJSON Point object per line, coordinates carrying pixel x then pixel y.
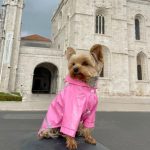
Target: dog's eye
{"type": "Point", "coordinates": [85, 63]}
{"type": "Point", "coordinates": [73, 64]}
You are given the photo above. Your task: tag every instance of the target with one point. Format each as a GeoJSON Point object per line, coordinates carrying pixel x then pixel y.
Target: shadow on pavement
{"type": "Point", "coordinates": [30, 142]}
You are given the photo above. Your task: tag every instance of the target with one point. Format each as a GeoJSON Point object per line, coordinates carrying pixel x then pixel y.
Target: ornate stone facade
{"type": "Point", "coordinates": [121, 26]}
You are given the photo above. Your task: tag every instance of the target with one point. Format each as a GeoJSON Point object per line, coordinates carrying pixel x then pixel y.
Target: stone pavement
{"type": "Point", "coordinates": [113, 131]}
{"type": "Point", "coordinates": [40, 103]}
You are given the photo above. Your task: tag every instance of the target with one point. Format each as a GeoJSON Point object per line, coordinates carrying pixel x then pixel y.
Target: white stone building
{"type": "Point", "coordinates": [1, 20]}
{"type": "Point", "coordinates": [38, 66]}
{"type": "Point", "coordinates": [1, 26]}
{"type": "Point", "coordinates": [122, 27]}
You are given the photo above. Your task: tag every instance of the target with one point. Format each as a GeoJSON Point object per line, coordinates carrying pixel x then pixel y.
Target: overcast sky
{"type": "Point", "coordinates": [1, 2]}
{"type": "Point", "coordinates": [37, 16]}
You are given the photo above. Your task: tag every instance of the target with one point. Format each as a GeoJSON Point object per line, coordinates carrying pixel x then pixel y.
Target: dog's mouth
{"type": "Point", "coordinates": [79, 76]}
{"type": "Point", "coordinates": [89, 80]}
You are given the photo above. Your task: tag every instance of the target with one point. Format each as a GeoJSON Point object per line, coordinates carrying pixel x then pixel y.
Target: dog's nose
{"type": "Point", "coordinates": [76, 70]}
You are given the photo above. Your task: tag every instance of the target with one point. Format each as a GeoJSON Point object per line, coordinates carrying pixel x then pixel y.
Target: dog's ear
{"type": "Point", "coordinates": [96, 52]}
{"type": "Point", "coordinates": [69, 52]}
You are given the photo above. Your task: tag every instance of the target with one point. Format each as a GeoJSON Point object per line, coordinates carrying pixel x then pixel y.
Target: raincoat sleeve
{"type": "Point", "coordinates": [89, 122]}
{"type": "Point", "coordinates": [72, 111]}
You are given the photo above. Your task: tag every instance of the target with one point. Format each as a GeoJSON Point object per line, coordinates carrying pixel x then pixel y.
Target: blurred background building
{"type": "Point", "coordinates": [35, 65]}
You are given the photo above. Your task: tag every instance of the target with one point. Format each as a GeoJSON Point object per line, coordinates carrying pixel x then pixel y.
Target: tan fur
{"type": "Point", "coordinates": [88, 66]}
{"type": "Point", "coordinates": [71, 143]}
{"type": "Point", "coordinates": [70, 51]}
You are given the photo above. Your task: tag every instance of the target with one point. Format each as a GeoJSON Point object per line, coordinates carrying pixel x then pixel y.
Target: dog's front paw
{"type": "Point", "coordinates": [90, 140]}
{"type": "Point", "coordinates": [71, 144]}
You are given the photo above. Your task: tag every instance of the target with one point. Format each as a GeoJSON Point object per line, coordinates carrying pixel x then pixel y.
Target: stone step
{"type": "Point", "coordinates": [105, 104]}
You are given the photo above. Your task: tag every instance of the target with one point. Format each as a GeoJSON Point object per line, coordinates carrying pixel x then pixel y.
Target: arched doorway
{"type": "Point", "coordinates": [41, 80]}
{"type": "Point", "coordinates": [45, 79]}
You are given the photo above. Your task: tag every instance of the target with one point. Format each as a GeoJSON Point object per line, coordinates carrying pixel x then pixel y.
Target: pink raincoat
{"type": "Point", "coordinates": [76, 103]}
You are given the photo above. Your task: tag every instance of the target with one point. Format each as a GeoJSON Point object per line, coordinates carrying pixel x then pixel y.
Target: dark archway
{"type": "Point", "coordinates": [45, 79]}
{"type": "Point", "coordinates": [41, 80]}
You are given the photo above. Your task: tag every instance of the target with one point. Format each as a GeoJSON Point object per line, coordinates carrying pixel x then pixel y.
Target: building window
{"type": "Point", "coordinates": [139, 72]}
{"type": "Point", "coordinates": [105, 73]}
{"type": "Point", "coordinates": [140, 30]}
{"type": "Point", "coordinates": [102, 72]}
{"type": "Point", "coordinates": [100, 24]}
{"type": "Point", "coordinates": [58, 46]}
{"type": "Point", "coordinates": [137, 29]}
{"type": "Point", "coordinates": [142, 66]}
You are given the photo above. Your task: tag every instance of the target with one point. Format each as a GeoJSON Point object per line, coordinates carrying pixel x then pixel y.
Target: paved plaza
{"type": "Point", "coordinates": [114, 131]}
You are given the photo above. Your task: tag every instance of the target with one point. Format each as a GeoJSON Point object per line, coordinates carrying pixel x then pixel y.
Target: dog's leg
{"type": "Point", "coordinates": [71, 143]}
{"type": "Point", "coordinates": [88, 137]}
{"type": "Point", "coordinates": [49, 133]}
{"type": "Point", "coordinates": [80, 130]}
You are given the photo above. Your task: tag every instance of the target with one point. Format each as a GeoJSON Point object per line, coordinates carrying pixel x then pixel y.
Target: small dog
{"type": "Point", "coordinates": [73, 110]}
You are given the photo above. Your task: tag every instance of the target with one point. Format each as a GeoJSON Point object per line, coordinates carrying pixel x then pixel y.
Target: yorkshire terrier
{"type": "Point", "coordinates": [73, 110]}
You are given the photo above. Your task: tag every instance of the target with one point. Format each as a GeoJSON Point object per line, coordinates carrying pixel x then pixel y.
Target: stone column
{"type": "Point", "coordinates": [12, 25]}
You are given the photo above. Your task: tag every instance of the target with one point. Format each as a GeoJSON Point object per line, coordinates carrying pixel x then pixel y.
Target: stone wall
{"type": "Point", "coordinates": [141, 9]}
